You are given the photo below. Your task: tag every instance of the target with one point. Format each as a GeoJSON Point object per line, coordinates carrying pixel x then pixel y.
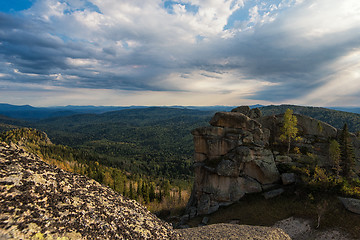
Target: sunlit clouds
{"type": "Point", "coordinates": [189, 52]}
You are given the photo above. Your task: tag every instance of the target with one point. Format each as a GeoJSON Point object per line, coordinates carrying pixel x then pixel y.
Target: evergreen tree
{"type": "Point", "coordinates": [166, 188]}
{"type": "Point", "coordinates": [131, 190]}
{"type": "Point", "coordinates": [124, 189]}
{"type": "Point", "coordinates": [335, 154]}
{"type": "Point", "coordinates": [145, 192]}
{"type": "Point", "coordinates": [347, 152]}
{"type": "Point", "coordinates": [180, 197]}
{"type": "Point", "coordinates": [289, 129]}
{"type": "Point", "coordinates": [152, 194]}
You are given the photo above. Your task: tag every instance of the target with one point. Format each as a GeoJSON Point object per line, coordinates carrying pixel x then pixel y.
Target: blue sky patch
{"type": "Point", "coordinates": [9, 6]}
{"type": "Point", "coordinates": [168, 5]}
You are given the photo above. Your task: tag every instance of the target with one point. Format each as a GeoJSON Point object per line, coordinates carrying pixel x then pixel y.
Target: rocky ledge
{"type": "Point", "coordinates": [39, 201]}
{"type": "Point", "coordinates": [239, 153]}
{"type": "Point", "coordinates": [224, 231]}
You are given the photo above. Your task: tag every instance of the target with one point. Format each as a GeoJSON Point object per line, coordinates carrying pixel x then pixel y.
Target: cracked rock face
{"type": "Point", "coordinates": [231, 160]}
{"type": "Point", "coordinates": [39, 201]}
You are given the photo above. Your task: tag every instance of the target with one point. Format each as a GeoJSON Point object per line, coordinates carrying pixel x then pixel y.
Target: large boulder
{"type": "Point", "coordinates": [230, 160]}
{"type": "Point", "coordinates": [232, 232]}
{"type": "Point", "coordinates": [288, 178]}
{"type": "Point", "coordinates": [351, 204]}
{"type": "Point", "coordinates": [39, 201]}
{"type": "Point", "coordinates": [251, 113]}
{"type": "Point", "coordinates": [242, 109]}
{"type": "Point", "coordinates": [260, 165]}
{"type": "Point", "coordinates": [234, 120]}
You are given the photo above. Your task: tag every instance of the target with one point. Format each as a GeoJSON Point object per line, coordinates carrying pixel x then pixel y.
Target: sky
{"type": "Point", "coordinates": [187, 52]}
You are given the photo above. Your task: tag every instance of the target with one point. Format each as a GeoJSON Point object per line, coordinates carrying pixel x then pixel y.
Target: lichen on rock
{"type": "Point", "coordinates": [39, 201]}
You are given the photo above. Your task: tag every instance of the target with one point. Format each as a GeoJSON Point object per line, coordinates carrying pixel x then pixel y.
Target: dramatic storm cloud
{"type": "Point", "coordinates": [189, 52]}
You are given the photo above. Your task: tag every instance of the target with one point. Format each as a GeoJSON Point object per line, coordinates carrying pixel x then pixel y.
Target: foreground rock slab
{"type": "Point", "coordinates": [300, 229]}
{"type": "Point", "coordinates": [39, 201]}
{"type": "Point", "coordinates": [232, 231]}
{"type": "Point", "coordinates": [351, 204]}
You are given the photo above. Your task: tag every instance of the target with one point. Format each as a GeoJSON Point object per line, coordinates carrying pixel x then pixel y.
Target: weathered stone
{"type": "Point", "coordinates": [248, 138]}
{"type": "Point", "coordinates": [205, 220]}
{"type": "Point", "coordinates": [288, 178]}
{"type": "Point", "coordinates": [215, 184]}
{"type": "Point", "coordinates": [209, 131]}
{"type": "Point", "coordinates": [261, 166]}
{"type": "Point", "coordinates": [47, 202]}
{"type": "Point", "coordinates": [310, 126]}
{"type": "Point", "coordinates": [258, 137]}
{"type": "Point", "coordinates": [203, 205]}
{"type": "Point", "coordinates": [199, 157]}
{"type": "Point", "coordinates": [233, 231]}
{"type": "Point", "coordinates": [242, 109]}
{"type": "Point", "coordinates": [248, 185]}
{"type": "Point", "coordinates": [219, 146]}
{"type": "Point", "coordinates": [243, 154]}
{"type": "Point", "coordinates": [200, 144]}
{"type": "Point", "coordinates": [227, 168]}
{"type": "Point", "coordinates": [236, 195]}
{"type": "Point", "coordinates": [184, 219]}
{"type": "Point", "coordinates": [213, 146]}
{"type": "Point", "coordinates": [236, 191]}
{"type": "Point", "coordinates": [233, 120]}
{"type": "Point", "coordinates": [283, 159]}
{"type": "Point", "coordinates": [236, 138]}
{"type": "Point", "coordinates": [273, 193]}
{"type": "Point", "coordinates": [233, 160]}
{"type": "Point", "coordinates": [268, 187]}
{"type": "Point", "coordinates": [306, 125]}
{"type": "Point", "coordinates": [351, 204]}
{"type": "Point", "coordinates": [214, 207]}
{"type": "Point", "coordinates": [192, 212]}
{"type": "Point", "coordinates": [255, 113]}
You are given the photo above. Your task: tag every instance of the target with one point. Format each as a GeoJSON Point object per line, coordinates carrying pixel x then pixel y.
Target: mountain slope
{"type": "Point", "coordinates": [153, 141]}
{"type": "Point", "coordinates": [40, 201]}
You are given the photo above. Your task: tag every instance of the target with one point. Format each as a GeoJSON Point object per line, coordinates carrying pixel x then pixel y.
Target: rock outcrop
{"type": "Point", "coordinates": [39, 201]}
{"type": "Point", "coordinates": [231, 159]}
{"type": "Point", "coordinates": [351, 204]}
{"type": "Point", "coordinates": [241, 151]}
{"type": "Point", "coordinates": [233, 231]}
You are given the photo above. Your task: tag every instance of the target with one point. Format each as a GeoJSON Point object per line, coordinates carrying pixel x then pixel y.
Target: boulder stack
{"type": "Point", "coordinates": [231, 159]}
{"type": "Point", "coordinates": [240, 153]}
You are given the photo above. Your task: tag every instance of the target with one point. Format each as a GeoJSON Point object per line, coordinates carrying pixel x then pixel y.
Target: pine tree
{"type": "Point", "coordinates": [289, 129]}
{"type": "Point", "coordinates": [145, 192]}
{"type": "Point", "coordinates": [124, 188]}
{"type": "Point", "coordinates": [347, 152]}
{"type": "Point", "coordinates": [152, 193]}
{"type": "Point", "coordinates": [180, 197]}
{"type": "Point", "coordinates": [131, 191]}
{"type": "Point", "coordinates": [166, 188]}
{"type": "Point", "coordinates": [335, 154]}
{"type": "Point", "coordinates": [138, 191]}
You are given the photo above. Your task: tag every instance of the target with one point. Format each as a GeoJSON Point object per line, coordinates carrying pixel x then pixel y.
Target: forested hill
{"type": "Point", "coordinates": [152, 141]}
{"type": "Point", "coordinates": [332, 117]}
{"type": "Point", "coordinates": [7, 123]}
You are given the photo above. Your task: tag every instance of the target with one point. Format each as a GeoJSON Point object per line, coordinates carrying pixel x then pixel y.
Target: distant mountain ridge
{"type": "Point", "coordinates": [27, 112]}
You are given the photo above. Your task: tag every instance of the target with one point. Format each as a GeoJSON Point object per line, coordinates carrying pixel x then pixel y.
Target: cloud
{"type": "Point", "coordinates": [266, 51]}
